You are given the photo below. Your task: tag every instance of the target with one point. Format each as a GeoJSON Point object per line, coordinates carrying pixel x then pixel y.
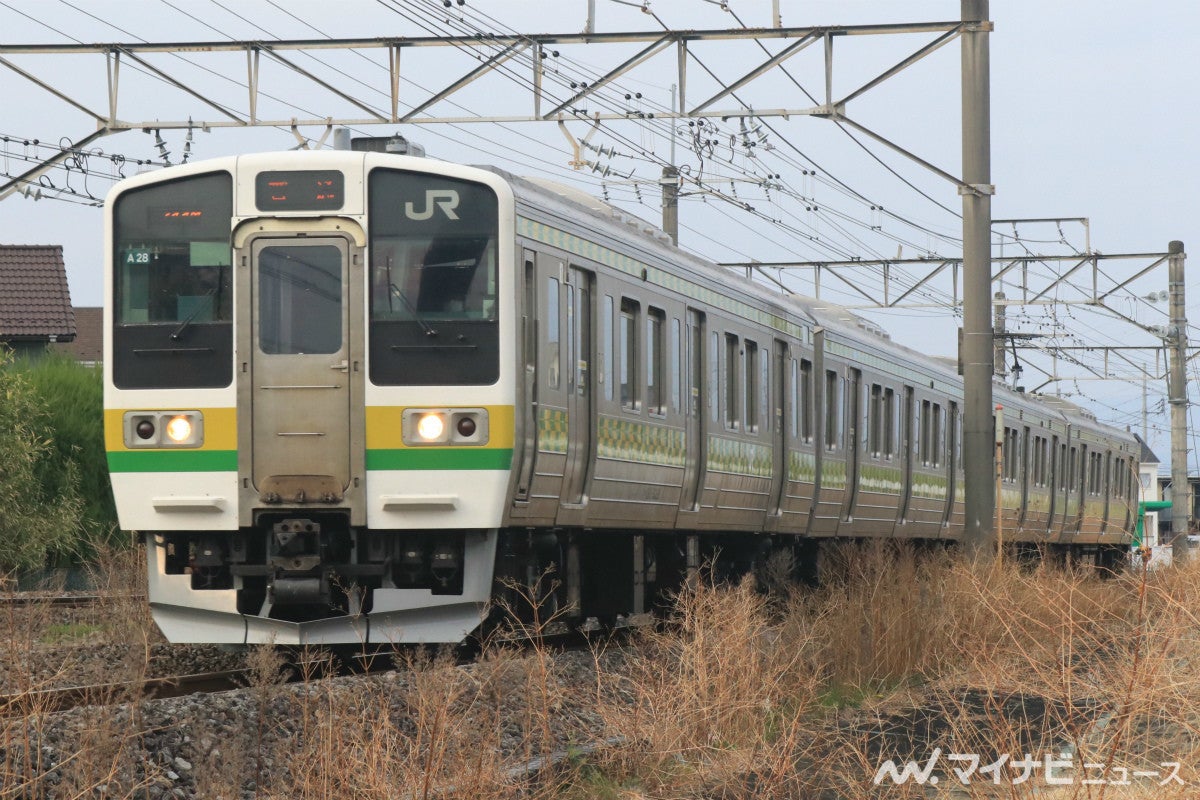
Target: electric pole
{"type": "Point", "coordinates": [978, 336]}
{"type": "Point", "coordinates": [1177, 341]}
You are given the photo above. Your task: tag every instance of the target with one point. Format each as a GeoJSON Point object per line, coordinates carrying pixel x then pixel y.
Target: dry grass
{"type": "Point", "coordinates": [900, 655]}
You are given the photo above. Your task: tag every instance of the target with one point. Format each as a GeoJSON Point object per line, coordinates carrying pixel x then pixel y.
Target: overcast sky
{"type": "Point", "coordinates": [1094, 113]}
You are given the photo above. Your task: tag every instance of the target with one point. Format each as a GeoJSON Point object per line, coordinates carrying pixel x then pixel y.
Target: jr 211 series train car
{"type": "Point", "coordinates": [352, 397]}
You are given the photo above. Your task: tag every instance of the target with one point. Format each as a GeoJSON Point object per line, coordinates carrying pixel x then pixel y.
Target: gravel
{"type": "Point", "coordinates": [486, 716]}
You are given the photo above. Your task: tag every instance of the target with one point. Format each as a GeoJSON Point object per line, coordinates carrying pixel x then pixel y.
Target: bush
{"type": "Point", "coordinates": [40, 505]}
{"type": "Point", "coordinates": [73, 397]}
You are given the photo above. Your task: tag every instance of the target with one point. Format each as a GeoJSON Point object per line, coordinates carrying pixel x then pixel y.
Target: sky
{"type": "Point", "coordinates": [1093, 107]}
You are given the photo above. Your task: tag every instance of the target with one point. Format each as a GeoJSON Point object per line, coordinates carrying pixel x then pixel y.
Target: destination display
{"type": "Point", "coordinates": [299, 190]}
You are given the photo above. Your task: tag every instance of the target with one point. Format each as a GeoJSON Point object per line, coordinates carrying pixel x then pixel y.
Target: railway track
{"type": "Point", "coordinates": [44, 701]}
{"type": "Point", "coordinates": [65, 698]}
{"type": "Point", "coordinates": [27, 600]}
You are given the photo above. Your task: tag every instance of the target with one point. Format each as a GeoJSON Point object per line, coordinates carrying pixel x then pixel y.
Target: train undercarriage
{"type": "Point", "coordinates": [303, 568]}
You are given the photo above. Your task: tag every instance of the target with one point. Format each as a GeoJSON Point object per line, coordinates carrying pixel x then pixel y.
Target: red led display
{"type": "Point", "coordinates": [299, 190]}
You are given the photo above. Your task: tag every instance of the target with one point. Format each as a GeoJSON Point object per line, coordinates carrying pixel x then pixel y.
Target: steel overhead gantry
{"type": "Point", "coordinates": [1055, 289]}
{"type": "Point", "coordinates": [115, 112]}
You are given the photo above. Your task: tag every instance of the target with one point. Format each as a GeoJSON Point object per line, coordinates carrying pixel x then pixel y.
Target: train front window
{"type": "Point", "coordinates": [433, 249]}
{"type": "Point", "coordinates": [173, 284]}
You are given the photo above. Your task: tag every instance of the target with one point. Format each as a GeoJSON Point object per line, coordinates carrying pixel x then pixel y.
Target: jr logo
{"type": "Point", "coordinates": [445, 199]}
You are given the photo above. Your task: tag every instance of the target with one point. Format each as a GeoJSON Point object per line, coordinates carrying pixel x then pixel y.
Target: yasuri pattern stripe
{"type": "Point", "coordinates": [630, 440]}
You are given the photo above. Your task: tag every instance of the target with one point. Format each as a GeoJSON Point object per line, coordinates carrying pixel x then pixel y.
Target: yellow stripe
{"type": "Point", "coordinates": [383, 427]}
{"type": "Point", "coordinates": [220, 428]}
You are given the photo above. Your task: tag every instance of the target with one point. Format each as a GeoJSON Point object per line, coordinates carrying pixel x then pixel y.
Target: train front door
{"type": "Point", "coordinates": [301, 370]}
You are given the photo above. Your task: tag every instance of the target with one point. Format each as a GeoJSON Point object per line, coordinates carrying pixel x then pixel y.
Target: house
{"type": "Point", "coordinates": [35, 301]}
{"type": "Point", "coordinates": [88, 345]}
{"type": "Point", "coordinates": [1148, 472]}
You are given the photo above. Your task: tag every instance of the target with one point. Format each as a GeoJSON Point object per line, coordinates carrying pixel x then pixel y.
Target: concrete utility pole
{"type": "Point", "coordinates": [1177, 342]}
{"type": "Point", "coordinates": [977, 353]}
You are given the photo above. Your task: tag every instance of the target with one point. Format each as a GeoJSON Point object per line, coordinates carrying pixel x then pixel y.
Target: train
{"type": "Point", "coordinates": [358, 397]}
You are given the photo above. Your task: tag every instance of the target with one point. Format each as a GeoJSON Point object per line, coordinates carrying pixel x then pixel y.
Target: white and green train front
{"type": "Point", "coordinates": [308, 393]}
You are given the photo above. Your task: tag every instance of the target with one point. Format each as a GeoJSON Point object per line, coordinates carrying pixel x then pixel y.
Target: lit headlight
{"type": "Point", "coordinates": [444, 426]}
{"type": "Point", "coordinates": [431, 428]}
{"type": "Point", "coordinates": [163, 429]}
{"type": "Point", "coordinates": [179, 429]}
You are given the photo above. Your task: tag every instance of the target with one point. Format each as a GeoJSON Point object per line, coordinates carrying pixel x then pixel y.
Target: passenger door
{"type": "Point", "coordinates": [777, 415]}
{"type": "Point", "coordinates": [697, 444]}
{"type": "Point", "coordinates": [577, 374]}
{"type": "Point", "coordinates": [300, 364]}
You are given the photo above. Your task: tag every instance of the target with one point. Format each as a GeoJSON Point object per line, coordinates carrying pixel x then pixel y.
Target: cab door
{"type": "Point", "coordinates": [300, 365]}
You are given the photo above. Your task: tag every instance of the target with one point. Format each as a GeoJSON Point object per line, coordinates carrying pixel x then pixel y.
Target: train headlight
{"type": "Point", "coordinates": [179, 429]}
{"type": "Point", "coordinates": [161, 429]}
{"type": "Point", "coordinates": [431, 428]}
{"type": "Point", "coordinates": [444, 426]}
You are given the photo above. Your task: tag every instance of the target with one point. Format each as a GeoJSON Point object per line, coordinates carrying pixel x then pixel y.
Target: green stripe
{"type": "Point", "coordinates": [441, 458]}
{"type": "Point", "coordinates": [173, 461]}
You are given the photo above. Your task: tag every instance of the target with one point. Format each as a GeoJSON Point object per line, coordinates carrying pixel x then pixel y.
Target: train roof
{"type": "Point", "coordinates": [579, 209]}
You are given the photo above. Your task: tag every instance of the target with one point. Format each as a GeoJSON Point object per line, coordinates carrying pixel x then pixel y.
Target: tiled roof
{"type": "Point", "coordinates": [1147, 456]}
{"type": "Point", "coordinates": [35, 302]}
{"type": "Point", "coordinates": [88, 344]}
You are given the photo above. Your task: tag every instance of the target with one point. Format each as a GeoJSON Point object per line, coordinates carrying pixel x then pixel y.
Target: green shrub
{"type": "Point", "coordinates": [40, 504]}
{"type": "Point", "coordinates": [73, 396]}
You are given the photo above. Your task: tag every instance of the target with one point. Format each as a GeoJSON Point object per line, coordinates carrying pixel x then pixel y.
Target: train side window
{"type": "Point", "coordinates": [1037, 475]}
{"type": "Point", "coordinates": [656, 401]}
{"type": "Point", "coordinates": [923, 432]}
{"type": "Point", "coordinates": [910, 432]}
{"type": "Point", "coordinates": [750, 384]}
{"type": "Point", "coordinates": [1045, 471]}
{"type": "Point", "coordinates": [674, 368]}
{"type": "Point", "coordinates": [1064, 480]}
{"type": "Point", "coordinates": [606, 348]}
{"type": "Point", "coordinates": [732, 411]}
{"type": "Point", "coordinates": [1012, 443]}
{"type": "Point", "coordinates": [764, 390]}
{"type": "Point", "coordinates": [953, 421]}
{"type": "Point", "coordinates": [833, 410]}
{"type": "Point", "coordinates": [714, 377]}
{"type": "Point", "coordinates": [1073, 470]}
{"type": "Point", "coordinates": [629, 350]}
{"type": "Point", "coordinates": [875, 422]}
{"type": "Point", "coordinates": [1025, 442]}
{"type": "Point", "coordinates": [1005, 455]}
{"type": "Point", "coordinates": [553, 350]}
{"type": "Point", "coordinates": [935, 436]}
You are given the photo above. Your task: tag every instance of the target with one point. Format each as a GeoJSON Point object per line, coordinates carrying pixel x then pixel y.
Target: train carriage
{"type": "Point", "coordinates": [352, 396]}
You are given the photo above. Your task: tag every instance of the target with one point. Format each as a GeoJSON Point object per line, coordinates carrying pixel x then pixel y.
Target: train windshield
{"type": "Point", "coordinates": [172, 283]}
{"type": "Point", "coordinates": [433, 243]}
{"type": "Point", "coordinates": [173, 252]}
